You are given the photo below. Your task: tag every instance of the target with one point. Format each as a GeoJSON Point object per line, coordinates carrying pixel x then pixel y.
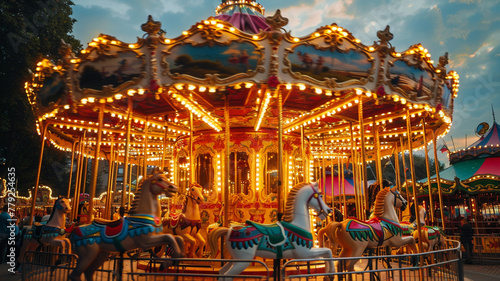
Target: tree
{"type": "Point", "coordinates": [29, 30]}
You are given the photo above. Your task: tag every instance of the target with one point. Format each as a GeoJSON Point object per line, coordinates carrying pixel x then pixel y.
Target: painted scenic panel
{"type": "Point", "coordinates": [111, 71]}
{"type": "Point", "coordinates": [223, 60]}
{"type": "Point", "coordinates": [320, 64]}
{"type": "Point", "coordinates": [52, 90]}
{"type": "Point", "coordinates": [411, 79]}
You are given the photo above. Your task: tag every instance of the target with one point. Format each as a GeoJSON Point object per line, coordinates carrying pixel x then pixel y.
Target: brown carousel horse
{"type": "Point", "coordinates": [52, 233]}
{"type": "Point", "coordinates": [94, 242]}
{"type": "Point", "coordinates": [188, 223]}
{"type": "Point", "coordinates": [383, 229]}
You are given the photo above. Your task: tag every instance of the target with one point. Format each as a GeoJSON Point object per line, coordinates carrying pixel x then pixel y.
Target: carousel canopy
{"type": "Point", "coordinates": [152, 95]}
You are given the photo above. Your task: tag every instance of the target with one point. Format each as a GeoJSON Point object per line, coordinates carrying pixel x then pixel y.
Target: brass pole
{"type": "Point", "coordinates": [438, 177]}
{"type": "Point", "coordinates": [304, 162]}
{"type": "Point", "coordinates": [34, 194]}
{"type": "Point", "coordinates": [363, 156]}
{"type": "Point", "coordinates": [226, 162]}
{"type": "Point", "coordinates": [83, 187]}
{"type": "Point", "coordinates": [145, 166]}
{"type": "Point", "coordinates": [342, 180]}
{"type": "Point", "coordinates": [376, 142]}
{"type": "Point", "coordinates": [397, 172]}
{"type": "Point", "coordinates": [110, 178]}
{"type": "Point", "coordinates": [428, 170]}
{"type": "Point", "coordinates": [78, 179]}
{"type": "Point", "coordinates": [323, 163]}
{"type": "Point", "coordinates": [413, 180]}
{"type": "Point", "coordinates": [191, 153]}
{"type": "Point", "coordinates": [73, 146]}
{"type": "Point", "coordinates": [95, 164]}
{"type": "Point", "coordinates": [165, 144]}
{"type": "Point", "coordinates": [127, 149]}
{"type": "Point", "coordinates": [333, 190]}
{"type": "Point", "coordinates": [353, 168]}
{"type": "Point", "coordinates": [396, 168]}
{"type": "Point", "coordinates": [404, 169]}
{"type": "Point", "coordinates": [280, 154]}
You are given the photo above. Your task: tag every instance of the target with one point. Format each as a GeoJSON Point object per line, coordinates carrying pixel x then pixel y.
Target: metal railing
{"type": "Point", "coordinates": [437, 265]}
{"type": "Point", "coordinates": [386, 264]}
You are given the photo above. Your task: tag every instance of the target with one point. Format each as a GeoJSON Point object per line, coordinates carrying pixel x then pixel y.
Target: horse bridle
{"type": "Point", "coordinates": [397, 195]}
{"type": "Point", "coordinates": [316, 195]}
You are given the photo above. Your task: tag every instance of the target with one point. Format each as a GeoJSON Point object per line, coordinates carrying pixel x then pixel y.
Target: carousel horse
{"type": "Point", "coordinates": [188, 223]}
{"type": "Point", "coordinates": [289, 238]}
{"type": "Point", "coordinates": [383, 229]}
{"type": "Point", "coordinates": [51, 233]}
{"type": "Point", "coordinates": [94, 242]}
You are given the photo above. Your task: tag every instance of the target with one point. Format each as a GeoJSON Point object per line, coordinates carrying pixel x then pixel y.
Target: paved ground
{"type": "Point", "coordinates": [479, 271]}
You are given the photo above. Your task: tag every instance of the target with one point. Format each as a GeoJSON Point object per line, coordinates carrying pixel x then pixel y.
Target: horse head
{"type": "Point", "coordinates": [195, 192]}
{"type": "Point", "coordinates": [63, 204]}
{"type": "Point", "coordinates": [159, 183]}
{"type": "Point", "coordinates": [316, 202]}
{"type": "Point", "coordinates": [399, 201]}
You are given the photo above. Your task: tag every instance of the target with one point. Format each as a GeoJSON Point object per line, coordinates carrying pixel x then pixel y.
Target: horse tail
{"type": "Point", "coordinates": [213, 240]}
{"type": "Point", "coordinates": [321, 236]}
{"type": "Point", "coordinates": [331, 232]}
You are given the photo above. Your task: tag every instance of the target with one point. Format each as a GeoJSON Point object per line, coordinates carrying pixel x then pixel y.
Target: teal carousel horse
{"type": "Point", "coordinates": [52, 233]}
{"type": "Point", "coordinates": [287, 239]}
{"type": "Point", "coordinates": [94, 242]}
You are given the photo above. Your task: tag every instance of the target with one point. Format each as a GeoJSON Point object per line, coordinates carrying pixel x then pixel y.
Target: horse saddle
{"type": "Point", "coordinates": [432, 232]}
{"type": "Point", "coordinates": [275, 232]}
{"type": "Point", "coordinates": [41, 230]}
{"type": "Point", "coordinates": [364, 231]}
{"type": "Point", "coordinates": [111, 227]}
{"type": "Point", "coordinates": [173, 221]}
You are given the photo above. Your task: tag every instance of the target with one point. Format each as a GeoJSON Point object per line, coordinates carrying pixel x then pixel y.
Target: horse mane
{"type": "Point", "coordinates": [54, 207]}
{"type": "Point", "coordinates": [379, 202]}
{"type": "Point", "coordinates": [373, 190]}
{"type": "Point", "coordinates": [290, 202]}
{"type": "Point", "coordinates": [137, 196]}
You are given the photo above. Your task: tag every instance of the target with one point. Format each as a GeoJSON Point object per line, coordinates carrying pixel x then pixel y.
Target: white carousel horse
{"type": "Point", "coordinates": [94, 242]}
{"type": "Point", "coordinates": [290, 238]}
{"type": "Point", "coordinates": [383, 229]}
{"type": "Point", "coordinates": [188, 223]}
{"type": "Point", "coordinates": [52, 233]}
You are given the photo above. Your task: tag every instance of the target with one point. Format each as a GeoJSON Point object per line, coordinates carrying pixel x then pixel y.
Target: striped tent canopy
{"type": "Point", "coordinates": [245, 15]}
{"type": "Point", "coordinates": [348, 183]}
{"type": "Point", "coordinates": [473, 169]}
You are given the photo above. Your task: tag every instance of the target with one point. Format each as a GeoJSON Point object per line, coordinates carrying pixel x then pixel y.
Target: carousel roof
{"type": "Point", "coordinates": [219, 74]}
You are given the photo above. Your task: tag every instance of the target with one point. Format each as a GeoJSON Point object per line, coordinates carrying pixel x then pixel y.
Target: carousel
{"type": "Point", "coordinates": [242, 109]}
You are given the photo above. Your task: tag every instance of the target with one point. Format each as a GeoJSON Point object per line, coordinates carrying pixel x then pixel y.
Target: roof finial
{"type": "Point", "coordinates": [493, 111]}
